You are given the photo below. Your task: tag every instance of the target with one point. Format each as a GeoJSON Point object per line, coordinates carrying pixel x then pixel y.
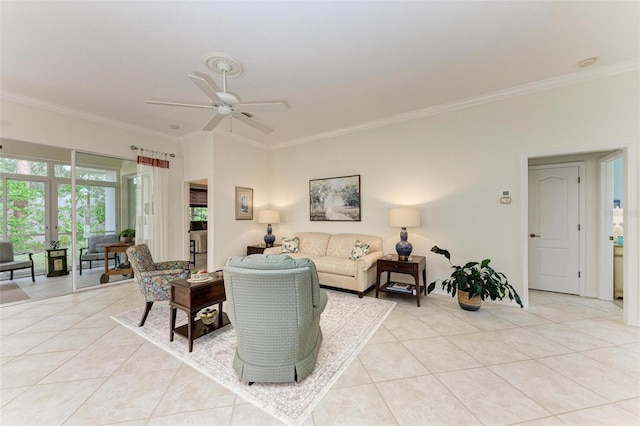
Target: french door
{"type": "Point", "coordinates": [24, 218]}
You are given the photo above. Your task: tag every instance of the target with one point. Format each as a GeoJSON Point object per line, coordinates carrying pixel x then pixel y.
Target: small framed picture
{"type": "Point", "coordinates": [244, 203]}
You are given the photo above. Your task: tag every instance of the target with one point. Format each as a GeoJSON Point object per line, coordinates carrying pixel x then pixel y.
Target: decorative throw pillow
{"type": "Point", "coordinates": [290, 245]}
{"type": "Point", "coordinates": [359, 249]}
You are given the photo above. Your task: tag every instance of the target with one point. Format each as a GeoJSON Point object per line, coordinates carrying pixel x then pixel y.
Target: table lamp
{"type": "Point", "coordinates": [404, 217]}
{"type": "Point", "coordinates": [269, 217]}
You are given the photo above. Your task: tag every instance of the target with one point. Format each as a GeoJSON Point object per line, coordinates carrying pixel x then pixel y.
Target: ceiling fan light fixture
{"type": "Point", "coordinates": [225, 110]}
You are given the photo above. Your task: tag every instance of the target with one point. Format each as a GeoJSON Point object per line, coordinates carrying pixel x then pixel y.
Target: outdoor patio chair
{"type": "Point", "coordinates": [8, 262]}
{"type": "Point", "coordinates": [95, 249]}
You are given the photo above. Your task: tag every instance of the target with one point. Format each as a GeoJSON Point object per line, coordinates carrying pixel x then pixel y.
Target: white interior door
{"type": "Point", "coordinates": [554, 212]}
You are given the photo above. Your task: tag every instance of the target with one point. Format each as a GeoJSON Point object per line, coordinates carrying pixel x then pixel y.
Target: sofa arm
{"type": "Point", "coordinates": [273, 250]}
{"type": "Point", "coordinates": [366, 262]}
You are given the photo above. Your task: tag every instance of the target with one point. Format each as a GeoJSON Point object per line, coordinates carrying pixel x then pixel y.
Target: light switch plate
{"type": "Point", "coordinates": [505, 200]}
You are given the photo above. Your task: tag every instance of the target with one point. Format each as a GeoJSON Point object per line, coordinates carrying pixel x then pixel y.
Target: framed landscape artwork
{"type": "Point", "coordinates": [335, 199]}
{"type": "Point", "coordinates": [244, 203]}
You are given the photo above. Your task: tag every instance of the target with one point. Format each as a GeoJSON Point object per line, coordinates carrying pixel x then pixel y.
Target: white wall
{"type": "Point", "coordinates": [236, 164]}
{"type": "Point", "coordinates": [454, 167]}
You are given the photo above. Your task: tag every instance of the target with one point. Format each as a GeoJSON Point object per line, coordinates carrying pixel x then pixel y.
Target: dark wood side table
{"type": "Point", "coordinates": [57, 262]}
{"type": "Point", "coordinates": [411, 267]}
{"type": "Point", "coordinates": [191, 298]}
{"type": "Point", "coordinates": [258, 248]}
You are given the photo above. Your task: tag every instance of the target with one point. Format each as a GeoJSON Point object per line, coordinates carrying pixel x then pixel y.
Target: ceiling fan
{"type": "Point", "coordinates": [225, 103]}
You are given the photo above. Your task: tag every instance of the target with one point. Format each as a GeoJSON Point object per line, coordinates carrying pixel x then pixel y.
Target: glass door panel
{"type": "Point", "coordinates": [101, 202]}
{"type": "Point", "coordinates": [25, 223]}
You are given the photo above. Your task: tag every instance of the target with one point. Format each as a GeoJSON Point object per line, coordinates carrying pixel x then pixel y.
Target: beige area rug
{"type": "Point", "coordinates": [347, 324]}
{"type": "Point", "coordinates": [11, 292]}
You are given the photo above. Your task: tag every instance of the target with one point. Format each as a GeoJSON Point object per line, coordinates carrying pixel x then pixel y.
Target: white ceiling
{"type": "Point", "coordinates": [337, 64]}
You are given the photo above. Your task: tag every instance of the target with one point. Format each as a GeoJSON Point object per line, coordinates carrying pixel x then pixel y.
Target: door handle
{"type": "Point", "coordinates": [534, 235]}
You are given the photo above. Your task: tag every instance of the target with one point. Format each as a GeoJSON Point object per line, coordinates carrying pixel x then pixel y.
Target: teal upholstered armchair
{"type": "Point", "coordinates": [274, 303]}
{"type": "Point", "coordinates": [154, 278]}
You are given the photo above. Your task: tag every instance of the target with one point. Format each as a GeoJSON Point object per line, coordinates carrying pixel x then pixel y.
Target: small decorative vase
{"type": "Point", "coordinates": [467, 304]}
{"type": "Point", "coordinates": [269, 239]}
{"type": "Point", "coordinates": [404, 247]}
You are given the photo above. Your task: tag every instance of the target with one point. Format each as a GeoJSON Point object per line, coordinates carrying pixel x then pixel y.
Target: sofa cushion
{"type": "Point", "coordinates": [313, 242]}
{"type": "Point", "coordinates": [359, 250]}
{"type": "Point", "coordinates": [336, 265]}
{"type": "Point", "coordinates": [340, 245]}
{"type": "Point", "coordinates": [290, 245]}
{"type": "Point", "coordinates": [303, 256]}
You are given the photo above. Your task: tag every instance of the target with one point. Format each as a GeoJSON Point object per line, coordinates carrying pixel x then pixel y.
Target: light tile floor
{"type": "Point", "coordinates": [566, 360]}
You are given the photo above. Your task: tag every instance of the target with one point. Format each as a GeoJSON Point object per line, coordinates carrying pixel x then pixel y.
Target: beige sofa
{"type": "Point", "coordinates": [330, 253]}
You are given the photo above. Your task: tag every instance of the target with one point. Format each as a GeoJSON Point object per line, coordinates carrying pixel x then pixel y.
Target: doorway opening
{"type": "Point", "coordinates": [592, 228]}
{"type": "Point", "coordinates": [198, 223]}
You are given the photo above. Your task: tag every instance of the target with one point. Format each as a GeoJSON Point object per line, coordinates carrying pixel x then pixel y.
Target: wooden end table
{"type": "Point", "coordinates": [411, 267]}
{"type": "Point", "coordinates": [258, 248]}
{"type": "Point", "coordinates": [191, 298]}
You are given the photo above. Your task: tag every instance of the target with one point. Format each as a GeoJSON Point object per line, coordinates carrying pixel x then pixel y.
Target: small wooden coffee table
{"type": "Point", "coordinates": [191, 298]}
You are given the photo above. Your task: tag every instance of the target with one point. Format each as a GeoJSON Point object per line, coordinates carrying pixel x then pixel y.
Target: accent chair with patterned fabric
{"type": "Point", "coordinates": [274, 303]}
{"type": "Point", "coordinates": [154, 279]}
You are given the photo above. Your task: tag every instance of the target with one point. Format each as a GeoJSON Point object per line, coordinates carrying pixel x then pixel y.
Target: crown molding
{"type": "Point", "coordinates": [525, 89]}
{"type": "Point", "coordinates": [60, 109]}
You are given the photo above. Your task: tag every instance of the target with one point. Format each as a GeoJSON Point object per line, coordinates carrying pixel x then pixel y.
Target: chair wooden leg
{"type": "Point", "coordinates": [146, 312]}
{"type": "Point", "coordinates": [11, 278]}
{"type": "Point", "coordinates": [33, 274]}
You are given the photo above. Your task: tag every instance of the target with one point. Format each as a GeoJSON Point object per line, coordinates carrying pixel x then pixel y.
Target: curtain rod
{"type": "Point", "coordinates": [172, 155]}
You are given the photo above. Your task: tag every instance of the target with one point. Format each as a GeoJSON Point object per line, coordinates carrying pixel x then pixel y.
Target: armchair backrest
{"type": "Point", "coordinates": [6, 251]}
{"type": "Point", "coordinates": [140, 258]}
{"type": "Point", "coordinates": [266, 269]}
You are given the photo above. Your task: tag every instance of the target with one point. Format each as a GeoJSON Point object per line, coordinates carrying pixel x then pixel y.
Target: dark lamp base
{"type": "Point", "coordinates": [403, 257]}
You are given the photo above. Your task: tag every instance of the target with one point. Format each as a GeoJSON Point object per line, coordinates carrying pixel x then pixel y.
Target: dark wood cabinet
{"type": "Point", "coordinates": [57, 262]}
{"type": "Point", "coordinates": [258, 248]}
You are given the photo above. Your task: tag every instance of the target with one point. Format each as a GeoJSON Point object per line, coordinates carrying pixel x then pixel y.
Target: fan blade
{"type": "Point", "coordinates": [213, 122]}
{"type": "Point", "coordinates": [179, 103]}
{"type": "Point", "coordinates": [260, 106]}
{"type": "Point", "coordinates": [253, 122]}
{"type": "Point", "coordinates": [207, 85]}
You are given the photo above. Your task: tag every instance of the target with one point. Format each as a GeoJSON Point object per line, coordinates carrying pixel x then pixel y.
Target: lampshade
{"type": "Point", "coordinates": [404, 216]}
{"type": "Point", "coordinates": [268, 216]}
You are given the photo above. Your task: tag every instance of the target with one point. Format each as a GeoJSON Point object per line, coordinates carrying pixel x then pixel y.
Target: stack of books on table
{"type": "Point", "coordinates": [400, 288]}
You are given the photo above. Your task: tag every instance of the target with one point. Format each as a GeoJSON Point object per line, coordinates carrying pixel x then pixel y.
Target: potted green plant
{"type": "Point", "coordinates": [474, 282]}
{"type": "Point", "coordinates": [128, 235]}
